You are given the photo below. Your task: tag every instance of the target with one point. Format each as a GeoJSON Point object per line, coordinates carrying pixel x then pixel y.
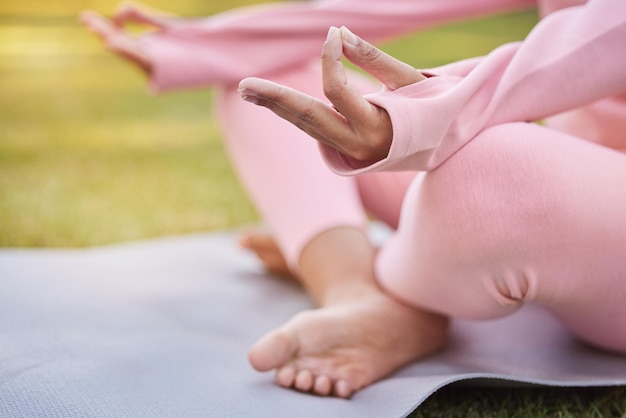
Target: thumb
{"type": "Point", "coordinates": [391, 72]}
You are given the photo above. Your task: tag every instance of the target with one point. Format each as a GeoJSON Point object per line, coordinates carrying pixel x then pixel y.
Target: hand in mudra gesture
{"type": "Point", "coordinates": [117, 39]}
{"type": "Point", "coordinates": [350, 124]}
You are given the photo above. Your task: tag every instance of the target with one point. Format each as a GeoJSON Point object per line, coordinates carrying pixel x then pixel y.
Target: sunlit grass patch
{"type": "Point", "coordinates": [88, 157]}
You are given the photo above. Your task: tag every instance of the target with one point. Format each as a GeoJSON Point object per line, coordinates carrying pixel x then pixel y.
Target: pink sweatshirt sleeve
{"type": "Point", "coordinates": [258, 40]}
{"type": "Point", "coordinates": [571, 58]}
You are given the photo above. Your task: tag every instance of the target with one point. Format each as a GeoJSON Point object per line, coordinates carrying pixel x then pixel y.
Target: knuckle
{"type": "Point", "coordinates": [332, 91]}
{"type": "Point", "coordinates": [326, 55]}
{"type": "Point", "coordinates": [279, 92]}
{"type": "Point", "coordinates": [369, 52]}
{"type": "Point", "coordinates": [306, 117]}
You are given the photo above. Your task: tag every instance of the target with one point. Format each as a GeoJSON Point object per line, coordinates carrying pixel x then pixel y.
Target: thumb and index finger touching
{"type": "Point", "coordinates": [111, 30]}
{"type": "Point", "coordinates": [129, 12]}
{"type": "Point", "coordinates": [117, 39]}
{"type": "Point", "coordinates": [133, 13]}
{"type": "Point", "coordinates": [370, 125]}
{"type": "Point", "coordinates": [389, 71]}
{"type": "Point", "coordinates": [352, 124]}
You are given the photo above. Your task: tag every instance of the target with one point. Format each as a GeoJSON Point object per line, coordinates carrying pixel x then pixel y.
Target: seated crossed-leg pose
{"type": "Point", "coordinates": [508, 212]}
{"type": "Point", "coordinates": [482, 224]}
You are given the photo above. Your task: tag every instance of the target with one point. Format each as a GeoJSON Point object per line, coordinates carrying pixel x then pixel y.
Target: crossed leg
{"type": "Point", "coordinates": [521, 214]}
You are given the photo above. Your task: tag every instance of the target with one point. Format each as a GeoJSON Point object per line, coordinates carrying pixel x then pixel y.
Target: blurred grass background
{"type": "Point", "coordinates": [88, 157]}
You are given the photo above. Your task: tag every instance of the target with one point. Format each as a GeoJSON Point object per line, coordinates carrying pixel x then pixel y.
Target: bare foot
{"type": "Point", "coordinates": [264, 246]}
{"type": "Point", "coordinates": [339, 349]}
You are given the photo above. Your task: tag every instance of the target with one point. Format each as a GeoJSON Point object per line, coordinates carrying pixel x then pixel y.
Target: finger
{"type": "Point", "coordinates": [131, 13]}
{"type": "Point", "coordinates": [370, 125]}
{"type": "Point", "coordinates": [339, 136]}
{"type": "Point", "coordinates": [316, 118]}
{"type": "Point", "coordinates": [344, 97]}
{"type": "Point", "coordinates": [111, 35]}
{"type": "Point", "coordinates": [98, 24]}
{"type": "Point", "coordinates": [391, 72]}
{"type": "Point", "coordinates": [115, 39]}
{"type": "Point", "coordinates": [299, 120]}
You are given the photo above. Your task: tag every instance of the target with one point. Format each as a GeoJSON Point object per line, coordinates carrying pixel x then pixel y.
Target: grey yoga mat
{"type": "Point", "coordinates": [161, 328]}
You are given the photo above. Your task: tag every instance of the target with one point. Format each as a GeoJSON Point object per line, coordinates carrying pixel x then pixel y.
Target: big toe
{"type": "Point", "coordinates": [272, 351]}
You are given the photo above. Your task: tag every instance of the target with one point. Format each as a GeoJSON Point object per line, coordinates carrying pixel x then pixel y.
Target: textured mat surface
{"type": "Point", "coordinates": [161, 329]}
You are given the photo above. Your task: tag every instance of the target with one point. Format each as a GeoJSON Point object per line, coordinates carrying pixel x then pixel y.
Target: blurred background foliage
{"type": "Point", "coordinates": [89, 157]}
{"type": "Point", "coordinates": [69, 8]}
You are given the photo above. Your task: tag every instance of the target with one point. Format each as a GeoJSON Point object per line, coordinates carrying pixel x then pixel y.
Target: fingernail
{"type": "Point", "coordinates": [331, 32]}
{"type": "Point", "coordinates": [348, 36]}
{"type": "Point", "coordinates": [245, 91]}
{"type": "Point", "coordinates": [251, 99]}
{"type": "Point", "coordinates": [333, 47]}
{"type": "Point", "coordinates": [248, 95]}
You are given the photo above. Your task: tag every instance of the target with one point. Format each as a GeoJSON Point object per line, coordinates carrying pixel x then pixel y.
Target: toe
{"type": "Point", "coordinates": [285, 376]}
{"type": "Point", "coordinates": [342, 389]}
{"type": "Point", "coordinates": [272, 351]}
{"type": "Point", "coordinates": [304, 381]}
{"type": "Point", "coordinates": [322, 385]}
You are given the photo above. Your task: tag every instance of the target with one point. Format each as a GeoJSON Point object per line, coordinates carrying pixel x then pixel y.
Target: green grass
{"type": "Point", "coordinates": [476, 402]}
{"type": "Point", "coordinates": [87, 157]}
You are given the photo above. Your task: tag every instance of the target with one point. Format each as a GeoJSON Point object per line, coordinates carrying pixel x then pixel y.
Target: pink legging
{"type": "Point", "coordinates": [522, 213]}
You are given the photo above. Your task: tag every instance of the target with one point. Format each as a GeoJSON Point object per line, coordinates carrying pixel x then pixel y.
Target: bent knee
{"type": "Point", "coordinates": [496, 196]}
{"type": "Point", "coordinates": [473, 224]}
{"type": "Point", "coordinates": [538, 211]}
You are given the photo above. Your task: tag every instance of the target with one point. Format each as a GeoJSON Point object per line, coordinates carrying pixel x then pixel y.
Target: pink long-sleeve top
{"type": "Point", "coordinates": [259, 40]}
{"type": "Point", "coordinates": [573, 57]}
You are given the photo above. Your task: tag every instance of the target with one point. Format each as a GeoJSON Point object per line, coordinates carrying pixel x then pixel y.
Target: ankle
{"type": "Point", "coordinates": [348, 291]}
{"type": "Point", "coordinates": [338, 265]}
